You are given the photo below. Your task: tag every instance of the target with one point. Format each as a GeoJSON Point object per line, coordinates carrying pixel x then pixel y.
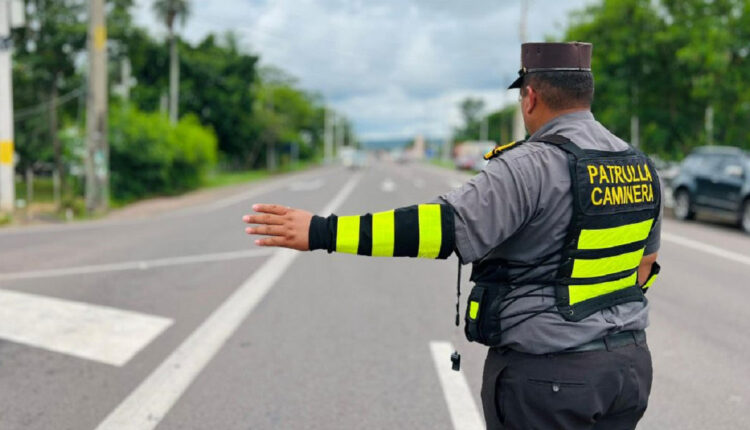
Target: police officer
{"type": "Point", "coordinates": [562, 230]}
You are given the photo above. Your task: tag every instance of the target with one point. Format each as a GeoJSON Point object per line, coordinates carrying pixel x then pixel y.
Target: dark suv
{"type": "Point", "coordinates": [714, 179]}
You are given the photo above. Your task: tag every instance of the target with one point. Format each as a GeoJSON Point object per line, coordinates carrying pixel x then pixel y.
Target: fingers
{"type": "Point", "coordinates": [268, 230]}
{"type": "Point", "coordinates": [271, 241]}
{"type": "Point", "coordinates": [270, 209]}
{"type": "Point", "coordinates": [263, 219]}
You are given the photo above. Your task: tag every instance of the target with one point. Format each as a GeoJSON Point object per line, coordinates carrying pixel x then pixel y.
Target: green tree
{"type": "Point", "coordinates": [668, 65]}
{"type": "Point", "coordinates": [500, 124]}
{"type": "Point", "coordinates": [471, 111]}
{"type": "Point", "coordinates": [217, 87]}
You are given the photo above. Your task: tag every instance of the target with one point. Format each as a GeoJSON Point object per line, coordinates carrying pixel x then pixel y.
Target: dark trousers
{"type": "Point", "coordinates": [605, 389]}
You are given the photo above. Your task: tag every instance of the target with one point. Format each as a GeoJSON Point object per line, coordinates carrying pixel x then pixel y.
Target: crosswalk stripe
{"type": "Point", "coordinates": [93, 332]}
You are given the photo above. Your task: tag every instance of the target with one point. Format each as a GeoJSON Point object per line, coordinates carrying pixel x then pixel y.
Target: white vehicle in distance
{"type": "Point", "coordinates": [352, 158]}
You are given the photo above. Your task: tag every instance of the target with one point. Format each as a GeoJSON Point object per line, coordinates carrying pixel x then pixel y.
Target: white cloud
{"type": "Point", "coordinates": [395, 67]}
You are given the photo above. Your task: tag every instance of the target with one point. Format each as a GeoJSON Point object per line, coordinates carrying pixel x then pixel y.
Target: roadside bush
{"type": "Point", "coordinates": [148, 156]}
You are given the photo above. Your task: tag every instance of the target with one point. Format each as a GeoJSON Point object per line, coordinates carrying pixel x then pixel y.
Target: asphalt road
{"type": "Point", "coordinates": [177, 321]}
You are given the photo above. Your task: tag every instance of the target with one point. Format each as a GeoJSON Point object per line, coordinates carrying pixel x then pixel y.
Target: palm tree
{"type": "Point", "coordinates": [169, 11]}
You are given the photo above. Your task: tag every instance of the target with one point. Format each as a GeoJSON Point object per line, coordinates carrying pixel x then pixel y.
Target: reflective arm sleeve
{"type": "Point", "coordinates": [425, 231]}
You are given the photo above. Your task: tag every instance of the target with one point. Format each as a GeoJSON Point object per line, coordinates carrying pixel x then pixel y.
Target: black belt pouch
{"type": "Point", "coordinates": [483, 314]}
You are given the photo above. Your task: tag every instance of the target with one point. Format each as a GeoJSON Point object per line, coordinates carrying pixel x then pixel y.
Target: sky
{"type": "Point", "coordinates": [396, 68]}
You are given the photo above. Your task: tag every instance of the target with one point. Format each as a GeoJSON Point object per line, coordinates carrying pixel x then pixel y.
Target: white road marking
{"type": "Point", "coordinates": [463, 411]}
{"type": "Point", "coordinates": [239, 198]}
{"type": "Point", "coordinates": [135, 265]}
{"type": "Point", "coordinates": [715, 250]}
{"type": "Point", "coordinates": [388, 186]}
{"type": "Point", "coordinates": [306, 185]}
{"type": "Point", "coordinates": [256, 189]}
{"type": "Point", "coordinates": [454, 183]}
{"type": "Point", "coordinates": [147, 405]}
{"type": "Point", "coordinates": [99, 333]}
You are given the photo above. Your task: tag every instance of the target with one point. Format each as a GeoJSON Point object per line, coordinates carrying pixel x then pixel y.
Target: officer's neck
{"type": "Point", "coordinates": [546, 115]}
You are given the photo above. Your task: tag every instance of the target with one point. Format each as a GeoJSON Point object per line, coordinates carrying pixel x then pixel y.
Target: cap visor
{"type": "Point", "coordinates": [516, 83]}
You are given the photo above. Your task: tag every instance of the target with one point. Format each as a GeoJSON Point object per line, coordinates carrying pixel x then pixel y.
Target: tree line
{"type": "Point", "coordinates": [670, 74]}
{"type": "Point", "coordinates": [232, 111]}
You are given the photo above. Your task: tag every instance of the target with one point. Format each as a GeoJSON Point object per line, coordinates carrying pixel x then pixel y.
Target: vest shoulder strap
{"type": "Point", "coordinates": [563, 143]}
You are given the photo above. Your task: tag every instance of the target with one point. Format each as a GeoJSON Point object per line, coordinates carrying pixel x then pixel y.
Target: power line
{"type": "Point", "coordinates": [44, 106]}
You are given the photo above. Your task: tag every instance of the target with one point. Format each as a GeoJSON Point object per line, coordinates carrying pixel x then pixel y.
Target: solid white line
{"type": "Point", "coordinates": [135, 265]}
{"type": "Point", "coordinates": [719, 252]}
{"type": "Point", "coordinates": [147, 405]}
{"type": "Point", "coordinates": [99, 333]}
{"type": "Point", "coordinates": [259, 188]}
{"type": "Point", "coordinates": [463, 411]}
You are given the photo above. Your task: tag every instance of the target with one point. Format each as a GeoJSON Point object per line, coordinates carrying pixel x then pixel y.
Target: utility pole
{"type": "Point", "coordinates": [635, 133]}
{"type": "Point", "coordinates": [126, 80]}
{"type": "Point", "coordinates": [328, 136]}
{"type": "Point", "coordinates": [446, 152]}
{"type": "Point", "coordinates": [709, 125]}
{"type": "Point", "coordinates": [339, 142]}
{"type": "Point", "coordinates": [519, 130]}
{"type": "Point", "coordinates": [97, 149]}
{"type": "Point", "coordinates": [11, 16]}
{"type": "Point", "coordinates": [174, 79]}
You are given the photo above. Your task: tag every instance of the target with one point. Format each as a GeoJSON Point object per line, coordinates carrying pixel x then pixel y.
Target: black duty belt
{"type": "Point", "coordinates": [612, 341]}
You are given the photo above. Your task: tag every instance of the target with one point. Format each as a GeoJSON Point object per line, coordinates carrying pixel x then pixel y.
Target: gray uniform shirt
{"type": "Point", "coordinates": [519, 208]}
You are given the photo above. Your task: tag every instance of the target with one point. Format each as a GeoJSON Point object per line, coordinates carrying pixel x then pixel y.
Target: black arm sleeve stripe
{"type": "Point", "coordinates": [448, 231]}
{"type": "Point", "coordinates": [333, 223]}
{"type": "Point", "coordinates": [319, 236]}
{"type": "Point", "coordinates": [406, 232]}
{"type": "Point", "coordinates": [365, 235]}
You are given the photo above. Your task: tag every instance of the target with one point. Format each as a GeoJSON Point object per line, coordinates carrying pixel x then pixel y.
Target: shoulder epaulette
{"type": "Point", "coordinates": [502, 148]}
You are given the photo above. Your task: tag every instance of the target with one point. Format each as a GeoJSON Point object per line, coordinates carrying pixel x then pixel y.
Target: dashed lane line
{"type": "Point", "coordinates": [463, 411]}
{"type": "Point", "coordinates": [147, 405]}
{"type": "Point", "coordinates": [710, 249]}
{"type": "Point", "coordinates": [388, 186]}
{"type": "Point", "coordinates": [135, 265]}
{"type": "Point", "coordinates": [93, 332]}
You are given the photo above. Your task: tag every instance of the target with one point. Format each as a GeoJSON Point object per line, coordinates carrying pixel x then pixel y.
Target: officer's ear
{"type": "Point", "coordinates": [529, 100]}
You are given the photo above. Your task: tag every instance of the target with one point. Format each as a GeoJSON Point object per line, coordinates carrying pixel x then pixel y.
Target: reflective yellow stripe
{"type": "Point", "coordinates": [615, 236]}
{"type": "Point", "coordinates": [430, 233]}
{"type": "Point", "coordinates": [473, 309]}
{"type": "Point", "coordinates": [579, 293]}
{"type": "Point", "coordinates": [347, 234]}
{"type": "Point", "coordinates": [649, 282]}
{"type": "Point", "coordinates": [383, 233]}
{"type": "Point", "coordinates": [606, 266]}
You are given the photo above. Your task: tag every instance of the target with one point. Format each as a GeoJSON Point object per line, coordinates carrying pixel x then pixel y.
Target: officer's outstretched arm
{"type": "Point", "coordinates": [425, 231]}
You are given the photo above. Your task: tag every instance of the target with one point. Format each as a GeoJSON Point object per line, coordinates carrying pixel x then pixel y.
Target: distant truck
{"type": "Point", "coordinates": [714, 179]}
{"type": "Point", "coordinates": [469, 155]}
